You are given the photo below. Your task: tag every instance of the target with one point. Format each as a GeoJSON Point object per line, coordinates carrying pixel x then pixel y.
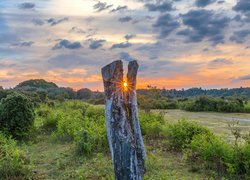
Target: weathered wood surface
{"type": "Point", "coordinates": [122, 122]}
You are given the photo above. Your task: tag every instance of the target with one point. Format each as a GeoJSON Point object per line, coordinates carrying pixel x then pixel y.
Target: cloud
{"type": "Point", "coordinates": [221, 2]}
{"type": "Point", "coordinates": [53, 21]}
{"type": "Point", "coordinates": [166, 24]}
{"type": "Point", "coordinates": [77, 30]}
{"type": "Point", "coordinates": [129, 36]}
{"type": "Point", "coordinates": [121, 45]}
{"type": "Point", "coordinates": [161, 7]}
{"type": "Point", "coordinates": [26, 5]}
{"type": "Point", "coordinates": [101, 6]}
{"type": "Point", "coordinates": [67, 44]}
{"type": "Point", "coordinates": [95, 44]}
{"type": "Point", "coordinates": [204, 24]}
{"type": "Point", "coordinates": [242, 6]}
{"type": "Point", "coordinates": [219, 63]}
{"type": "Point", "coordinates": [240, 36]}
{"type": "Point", "coordinates": [125, 19]}
{"type": "Point", "coordinates": [244, 78]}
{"type": "Point", "coordinates": [126, 56]}
{"type": "Point", "coordinates": [70, 60]}
{"type": "Point", "coordinates": [38, 22]}
{"type": "Point", "coordinates": [203, 3]}
{"type": "Point", "coordinates": [23, 44]}
{"type": "Point", "coordinates": [119, 8]}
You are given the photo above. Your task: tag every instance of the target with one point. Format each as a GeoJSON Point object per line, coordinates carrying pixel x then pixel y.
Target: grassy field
{"type": "Point", "coordinates": [53, 159]}
{"type": "Point", "coordinates": [58, 161]}
{"type": "Point", "coordinates": [218, 122]}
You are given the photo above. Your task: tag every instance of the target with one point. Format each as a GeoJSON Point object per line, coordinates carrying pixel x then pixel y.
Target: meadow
{"type": "Point", "coordinates": [68, 141]}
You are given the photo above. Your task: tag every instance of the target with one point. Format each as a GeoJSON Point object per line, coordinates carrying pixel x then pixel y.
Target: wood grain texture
{"type": "Point", "coordinates": [122, 122]}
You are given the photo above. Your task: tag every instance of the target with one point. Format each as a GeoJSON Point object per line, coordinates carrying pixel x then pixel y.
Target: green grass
{"type": "Point", "coordinates": [55, 159]}
{"type": "Point", "coordinates": [58, 161]}
{"type": "Point", "coordinates": [217, 122]}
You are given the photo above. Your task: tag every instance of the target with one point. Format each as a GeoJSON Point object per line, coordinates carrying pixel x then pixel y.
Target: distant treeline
{"type": "Point", "coordinates": [194, 99]}
{"type": "Point", "coordinates": [193, 92]}
{"type": "Point", "coordinates": [42, 91]}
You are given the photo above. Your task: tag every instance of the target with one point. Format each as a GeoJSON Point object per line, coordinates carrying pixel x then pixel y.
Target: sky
{"type": "Point", "coordinates": [178, 43]}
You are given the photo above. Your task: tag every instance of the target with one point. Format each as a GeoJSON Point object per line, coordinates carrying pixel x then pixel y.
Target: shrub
{"type": "Point", "coordinates": [85, 125]}
{"type": "Point", "coordinates": [95, 112]}
{"type": "Point", "coordinates": [246, 160]}
{"type": "Point", "coordinates": [16, 115]}
{"type": "Point", "coordinates": [13, 162]}
{"type": "Point", "coordinates": [83, 143]}
{"type": "Point", "coordinates": [69, 125]}
{"type": "Point", "coordinates": [205, 103]}
{"type": "Point", "coordinates": [182, 133]}
{"type": "Point", "coordinates": [212, 151]}
{"type": "Point", "coordinates": [151, 124]}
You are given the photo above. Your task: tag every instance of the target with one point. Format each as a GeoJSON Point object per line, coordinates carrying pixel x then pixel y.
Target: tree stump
{"type": "Point", "coordinates": [122, 122]}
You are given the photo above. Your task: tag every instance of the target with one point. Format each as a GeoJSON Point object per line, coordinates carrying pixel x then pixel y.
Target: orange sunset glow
{"type": "Point", "coordinates": [190, 45]}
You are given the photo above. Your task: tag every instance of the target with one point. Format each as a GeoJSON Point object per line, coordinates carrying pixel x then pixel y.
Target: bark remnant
{"type": "Point", "coordinates": [122, 122]}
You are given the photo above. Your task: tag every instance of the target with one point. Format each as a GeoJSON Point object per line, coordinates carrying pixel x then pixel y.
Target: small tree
{"type": "Point", "coordinates": [16, 115]}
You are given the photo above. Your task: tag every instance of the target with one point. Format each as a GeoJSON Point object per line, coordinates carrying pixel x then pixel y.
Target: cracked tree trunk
{"type": "Point", "coordinates": [122, 122]}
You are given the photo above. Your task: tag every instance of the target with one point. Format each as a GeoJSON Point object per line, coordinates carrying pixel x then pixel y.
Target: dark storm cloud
{"type": "Point", "coordinates": [119, 8]}
{"type": "Point", "coordinates": [101, 6]}
{"type": "Point", "coordinates": [125, 19]}
{"type": "Point", "coordinates": [166, 24]}
{"type": "Point", "coordinates": [95, 44]}
{"type": "Point", "coordinates": [121, 45]}
{"type": "Point", "coordinates": [126, 56]}
{"type": "Point", "coordinates": [23, 44]}
{"type": "Point", "coordinates": [67, 44]}
{"type": "Point", "coordinates": [53, 21]}
{"type": "Point", "coordinates": [203, 3]}
{"type": "Point", "coordinates": [204, 24]}
{"type": "Point", "coordinates": [26, 5]}
{"type": "Point", "coordinates": [240, 36]}
{"type": "Point", "coordinates": [161, 6]}
{"type": "Point", "coordinates": [129, 36]}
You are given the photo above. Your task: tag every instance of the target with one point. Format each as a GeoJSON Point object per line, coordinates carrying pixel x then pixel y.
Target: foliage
{"type": "Point", "coordinates": [13, 161]}
{"type": "Point", "coordinates": [181, 134]}
{"type": "Point", "coordinates": [212, 150]}
{"type": "Point", "coordinates": [78, 122]}
{"type": "Point", "coordinates": [148, 102]}
{"type": "Point", "coordinates": [36, 83]}
{"type": "Point", "coordinates": [205, 103]}
{"type": "Point", "coordinates": [214, 153]}
{"type": "Point", "coordinates": [16, 115]}
{"type": "Point", "coordinates": [84, 93]}
{"type": "Point", "coordinates": [152, 124]}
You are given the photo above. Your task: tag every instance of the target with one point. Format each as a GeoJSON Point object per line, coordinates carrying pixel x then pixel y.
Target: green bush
{"type": "Point", "coordinates": [152, 124]}
{"type": "Point", "coordinates": [95, 112]}
{"type": "Point", "coordinates": [205, 103]}
{"type": "Point", "coordinates": [181, 134]}
{"type": "Point", "coordinates": [84, 125]}
{"type": "Point", "coordinates": [13, 162]}
{"type": "Point", "coordinates": [16, 115]}
{"type": "Point", "coordinates": [230, 160]}
{"type": "Point", "coordinates": [84, 144]}
{"type": "Point", "coordinates": [246, 160]}
{"type": "Point", "coordinates": [69, 124]}
{"type": "Point", "coordinates": [212, 150]}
